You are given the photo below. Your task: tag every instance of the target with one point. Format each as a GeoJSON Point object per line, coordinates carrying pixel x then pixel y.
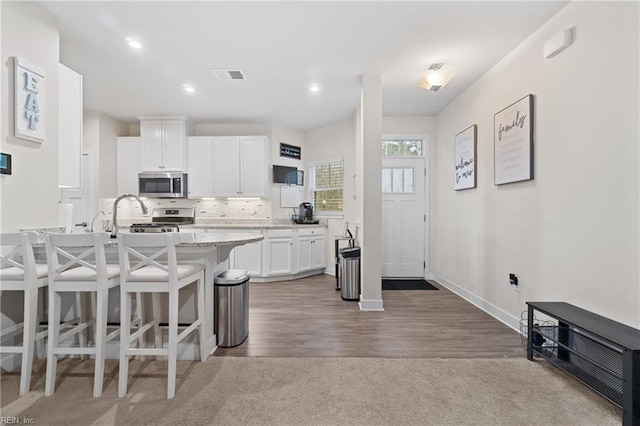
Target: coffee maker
{"type": "Point", "coordinates": [305, 213]}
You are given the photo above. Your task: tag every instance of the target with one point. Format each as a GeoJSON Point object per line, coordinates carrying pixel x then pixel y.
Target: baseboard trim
{"type": "Point", "coordinates": [499, 314]}
{"type": "Point", "coordinates": [371, 305]}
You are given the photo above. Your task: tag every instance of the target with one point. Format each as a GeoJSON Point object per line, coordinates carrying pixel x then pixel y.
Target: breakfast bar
{"type": "Point", "coordinates": [211, 249]}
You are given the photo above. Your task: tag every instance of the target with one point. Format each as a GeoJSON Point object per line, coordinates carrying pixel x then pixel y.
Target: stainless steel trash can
{"type": "Point", "coordinates": [232, 307]}
{"type": "Point", "coordinates": [350, 273]}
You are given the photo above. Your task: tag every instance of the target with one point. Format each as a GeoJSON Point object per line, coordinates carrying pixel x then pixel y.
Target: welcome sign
{"type": "Point", "coordinates": [29, 101]}
{"type": "Point", "coordinates": [464, 154]}
{"type": "Point", "coordinates": [513, 142]}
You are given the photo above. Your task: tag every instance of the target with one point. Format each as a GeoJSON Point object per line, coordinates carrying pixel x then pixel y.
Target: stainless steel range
{"type": "Point", "coordinates": [166, 220]}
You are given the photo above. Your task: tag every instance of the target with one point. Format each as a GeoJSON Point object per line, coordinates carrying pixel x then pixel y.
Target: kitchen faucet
{"type": "Point", "coordinates": [114, 230]}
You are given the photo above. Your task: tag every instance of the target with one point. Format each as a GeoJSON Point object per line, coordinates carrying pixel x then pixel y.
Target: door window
{"type": "Point", "coordinates": [397, 180]}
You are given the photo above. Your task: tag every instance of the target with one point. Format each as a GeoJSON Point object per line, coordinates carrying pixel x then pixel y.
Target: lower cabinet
{"type": "Point", "coordinates": [283, 254]}
{"type": "Point", "coordinates": [249, 256]}
{"type": "Point", "coordinates": [279, 252]}
{"type": "Point", "coordinates": [311, 249]}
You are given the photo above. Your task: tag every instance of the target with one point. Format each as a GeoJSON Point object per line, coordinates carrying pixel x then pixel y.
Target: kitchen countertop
{"type": "Point", "coordinates": [209, 239]}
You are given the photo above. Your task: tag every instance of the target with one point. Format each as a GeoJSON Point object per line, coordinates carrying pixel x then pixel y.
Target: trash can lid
{"type": "Point", "coordinates": [232, 276]}
{"type": "Point", "coordinates": [350, 252]}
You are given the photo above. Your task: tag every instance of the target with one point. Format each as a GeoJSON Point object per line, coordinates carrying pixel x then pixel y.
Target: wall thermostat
{"type": "Point", "coordinates": [5, 163]}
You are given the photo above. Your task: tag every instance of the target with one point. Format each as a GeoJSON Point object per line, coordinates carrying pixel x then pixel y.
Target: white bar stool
{"type": "Point", "coordinates": [19, 272]}
{"type": "Point", "coordinates": [148, 264]}
{"type": "Point", "coordinates": [85, 272]}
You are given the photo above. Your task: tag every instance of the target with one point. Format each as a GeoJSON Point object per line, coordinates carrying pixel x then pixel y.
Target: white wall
{"type": "Point", "coordinates": [280, 134]}
{"type": "Point", "coordinates": [571, 234]}
{"type": "Point", "coordinates": [109, 130]}
{"type": "Point", "coordinates": [29, 35]}
{"type": "Point", "coordinates": [99, 141]}
{"type": "Point", "coordinates": [335, 140]}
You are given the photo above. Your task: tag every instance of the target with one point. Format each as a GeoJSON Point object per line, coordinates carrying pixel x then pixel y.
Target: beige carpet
{"type": "Point", "coordinates": [295, 391]}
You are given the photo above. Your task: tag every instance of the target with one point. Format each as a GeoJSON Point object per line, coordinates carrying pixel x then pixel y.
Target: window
{"type": "Point", "coordinates": [326, 183]}
{"type": "Point", "coordinates": [402, 148]}
{"type": "Point", "coordinates": [397, 180]}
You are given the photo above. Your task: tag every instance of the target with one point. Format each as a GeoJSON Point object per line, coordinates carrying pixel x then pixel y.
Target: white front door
{"type": "Point", "coordinates": [403, 217]}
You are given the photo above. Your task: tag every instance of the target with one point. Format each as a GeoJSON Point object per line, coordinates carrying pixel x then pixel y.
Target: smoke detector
{"type": "Point", "coordinates": [229, 74]}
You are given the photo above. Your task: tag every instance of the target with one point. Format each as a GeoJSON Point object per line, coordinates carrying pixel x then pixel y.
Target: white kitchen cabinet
{"type": "Point", "coordinates": [164, 142]}
{"type": "Point", "coordinates": [241, 166]}
{"type": "Point", "coordinates": [311, 249]}
{"type": "Point", "coordinates": [200, 166]}
{"type": "Point", "coordinates": [278, 252]}
{"type": "Point", "coordinates": [69, 128]}
{"type": "Point", "coordinates": [248, 257]}
{"type": "Point", "coordinates": [129, 164]}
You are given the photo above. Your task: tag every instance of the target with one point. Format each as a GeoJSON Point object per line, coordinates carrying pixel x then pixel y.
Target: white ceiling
{"type": "Point", "coordinates": [283, 47]}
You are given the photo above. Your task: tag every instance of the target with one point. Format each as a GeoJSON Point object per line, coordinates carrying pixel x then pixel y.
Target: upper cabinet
{"type": "Point", "coordinates": [164, 142]}
{"type": "Point", "coordinates": [69, 128]}
{"type": "Point", "coordinates": [241, 166]}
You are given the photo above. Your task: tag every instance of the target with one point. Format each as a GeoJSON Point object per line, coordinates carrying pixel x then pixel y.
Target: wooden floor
{"type": "Point", "coordinates": [307, 317]}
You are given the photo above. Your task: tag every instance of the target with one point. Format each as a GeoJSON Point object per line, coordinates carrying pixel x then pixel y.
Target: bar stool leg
{"type": "Point", "coordinates": [101, 340]}
{"type": "Point", "coordinates": [52, 344]}
{"type": "Point", "coordinates": [201, 317]}
{"type": "Point", "coordinates": [28, 337]}
{"type": "Point", "coordinates": [173, 342]}
{"type": "Point", "coordinates": [157, 333]}
{"type": "Point", "coordinates": [125, 330]}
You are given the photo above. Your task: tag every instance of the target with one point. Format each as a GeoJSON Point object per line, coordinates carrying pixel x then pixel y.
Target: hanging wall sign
{"type": "Point", "coordinates": [290, 151]}
{"type": "Point", "coordinates": [513, 142]}
{"type": "Point", "coordinates": [464, 156]}
{"type": "Point", "coordinates": [29, 101]}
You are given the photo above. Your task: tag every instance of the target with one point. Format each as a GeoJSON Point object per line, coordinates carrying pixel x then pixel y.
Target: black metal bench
{"type": "Point", "coordinates": [601, 353]}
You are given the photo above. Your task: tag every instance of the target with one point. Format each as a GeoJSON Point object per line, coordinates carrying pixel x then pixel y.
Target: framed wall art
{"type": "Point", "coordinates": [29, 101]}
{"type": "Point", "coordinates": [464, 155]}
{"type": "Point", "coordinates": [290, 151]}
{"type": "Point", "coordinates": [513, 142]}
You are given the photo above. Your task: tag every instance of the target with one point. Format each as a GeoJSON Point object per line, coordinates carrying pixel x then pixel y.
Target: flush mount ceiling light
{"type": "Point", "coordinates": [133, 43]}
{"type": "Point", "coordinates": [314, 88]}
{"type": "Point", "coordinates": [435, 77]}
{"type": "Point", "coordinates": [229, 74]}
{"type": "Point", "coordinates": [188, 88]}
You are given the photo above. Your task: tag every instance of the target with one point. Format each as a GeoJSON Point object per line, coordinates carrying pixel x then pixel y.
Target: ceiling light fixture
{"type": "Point", "coordinates": [435, 78]}
{"type": "Point", "coordinates": [188, 88]}
{"type": "Point", "coordinates": [133, 43]}
{"type": "Point", "coordinates": [314, 88]}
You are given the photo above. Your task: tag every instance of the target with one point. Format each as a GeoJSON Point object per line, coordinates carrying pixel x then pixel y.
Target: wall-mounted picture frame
{"type": "Point", "coordinates": [464, 156]}
{"type": "Point", "coordinates": [290, 151]}
{"type": "Point", "coordinates": [513, 142]}
{"type": "Point", "coordinates": [29, 101]}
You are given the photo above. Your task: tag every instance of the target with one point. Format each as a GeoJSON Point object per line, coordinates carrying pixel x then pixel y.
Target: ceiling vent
{"type": "Point", "coordinates": [229, 74]}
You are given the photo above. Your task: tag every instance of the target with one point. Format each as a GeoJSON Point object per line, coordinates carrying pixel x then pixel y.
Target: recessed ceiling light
{"type": "Point", "coordinates": [188, 88]}
{"type": "Point", "coordinates": [314, 88]}
{"type": "Point", "coordinates": [133, 43]}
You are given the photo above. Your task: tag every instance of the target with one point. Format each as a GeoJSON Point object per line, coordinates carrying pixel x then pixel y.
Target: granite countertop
{"type": "Point", "coordinates": [209, 239]}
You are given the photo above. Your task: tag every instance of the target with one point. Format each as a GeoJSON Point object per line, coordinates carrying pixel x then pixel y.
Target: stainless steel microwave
{"type": "Point", "coordinates": [163, 184]}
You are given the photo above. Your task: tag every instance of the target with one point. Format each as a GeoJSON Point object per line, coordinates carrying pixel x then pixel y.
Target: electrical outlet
{"type": "Point", "coordinates": [513, 280]}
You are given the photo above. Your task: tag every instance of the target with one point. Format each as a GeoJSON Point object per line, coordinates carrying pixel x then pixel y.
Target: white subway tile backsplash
{"type": "Point", "coordinates": [129, 211]}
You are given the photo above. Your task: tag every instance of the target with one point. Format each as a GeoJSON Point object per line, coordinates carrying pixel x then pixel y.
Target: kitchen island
{"type": "Point", "coordinates": [211, 249]}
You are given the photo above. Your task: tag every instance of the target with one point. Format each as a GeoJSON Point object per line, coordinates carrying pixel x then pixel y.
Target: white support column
{"type": "Point", "coordinates": [370, 205]}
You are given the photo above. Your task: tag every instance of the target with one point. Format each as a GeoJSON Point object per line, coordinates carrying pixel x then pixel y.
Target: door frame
{"type": "Point", "coordinates": [427, 188]}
